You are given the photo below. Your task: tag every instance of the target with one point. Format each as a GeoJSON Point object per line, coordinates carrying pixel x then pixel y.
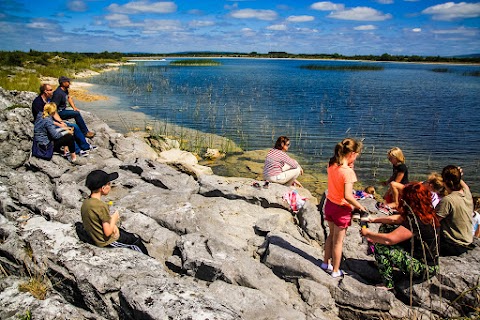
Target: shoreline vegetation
{"type": "Point", "coordinates": [195, 62]}
{"type": "Point", "coordinates": [342, 68]}
{"type": "Point", "coordinates": [24, 71]}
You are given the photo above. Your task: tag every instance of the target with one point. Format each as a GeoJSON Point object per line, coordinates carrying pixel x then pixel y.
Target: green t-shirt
{"type": "Point", "coordinates": [456, 210]}
{"type": "Point", "coordinates": [94, 213]}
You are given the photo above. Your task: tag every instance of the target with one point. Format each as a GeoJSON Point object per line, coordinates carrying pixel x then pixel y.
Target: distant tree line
{"type": "Point", "coordinates": [22, 58]}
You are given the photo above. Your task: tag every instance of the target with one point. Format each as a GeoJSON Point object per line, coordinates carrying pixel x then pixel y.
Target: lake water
{"type": "Point", "coordinates": [434, 117]}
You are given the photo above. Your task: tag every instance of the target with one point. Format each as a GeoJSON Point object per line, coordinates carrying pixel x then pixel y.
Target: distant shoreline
{"type": "Point", "coordinates": [159, 58]}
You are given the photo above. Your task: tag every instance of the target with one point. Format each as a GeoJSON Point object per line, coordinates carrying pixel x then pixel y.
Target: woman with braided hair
{"type": "Point", "coordinates": [412, 247]}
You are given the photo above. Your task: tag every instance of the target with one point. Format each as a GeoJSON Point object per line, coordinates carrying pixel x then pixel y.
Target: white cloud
{"type": "Point", "coordinates": [417, 30]}
{"type": "Point", "coordinates": [201, 23]}
{"type": "Point", "coordinates": [306, 30]}
{"type": "Point", "coordinates": [248, 32]}
{"type": "Point", "coordinates": [385, 1]}
{"type": "Point", "coordinates": [452, 11]}
{"type": "Point", "coordinates": [143, 7]}
{"type": "Point", "coordinates": [41, 24]}
{"type": "Point", "coordinates": [151, 26]}
{"type": "Point", "coordinates": [365, 27]}
{"type": "Point", "coordinates": [277, 27]}
{"type": "Point", "coordinates": [254, 14]}
{"type": "Point", "coordinates": [462, 30]}
{"type": "Point", "coordinates": [119, 21]}
{"type": "Point", "coordinates": [327, 6]}
{"type": "Point", "coordinates": [360, 14]}
{"type": "Point", "coordinates": [77, 6]}
{"type": "Point", "coordinates": [300, 18]}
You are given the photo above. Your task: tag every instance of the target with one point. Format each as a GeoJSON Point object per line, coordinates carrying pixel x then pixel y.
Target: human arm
{"type": "Point", "coordinates": [399, 177]}
{"type": "Point", "coordinates": [51, 128]}
{"type": "Point", "coordinates": [398, 235]}
{"type": "Point", "coordinates": [348, 194]}
{"type": "Point", "coordinates": [393, 219]}
{"type": "Point", "coordinates": [110, 227]}
{"type": "Point", "coordinates": [72, 104]}
{"type": "Point", "coordinates": [59, 121]}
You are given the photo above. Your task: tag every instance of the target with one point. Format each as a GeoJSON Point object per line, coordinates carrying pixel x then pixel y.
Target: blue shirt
{"type": "Point", "coordinates": [60, 98]}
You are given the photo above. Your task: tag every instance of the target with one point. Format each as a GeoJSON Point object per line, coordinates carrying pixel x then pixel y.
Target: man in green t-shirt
{"type": "Point", "coordinates": [455, 214]}
{"type": "Point", "coordinates": [100, 225]}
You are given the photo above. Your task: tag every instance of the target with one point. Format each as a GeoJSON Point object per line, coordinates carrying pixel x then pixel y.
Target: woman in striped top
{"type": "Point", "coordinates": [279, 167]}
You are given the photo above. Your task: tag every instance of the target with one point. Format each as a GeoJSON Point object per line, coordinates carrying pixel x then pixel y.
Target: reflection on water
{"type": "Point", "coordinates": [432, 116]}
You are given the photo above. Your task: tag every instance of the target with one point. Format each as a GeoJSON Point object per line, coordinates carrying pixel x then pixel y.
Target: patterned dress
{"type": "Point", "coordinates": [422, 262]}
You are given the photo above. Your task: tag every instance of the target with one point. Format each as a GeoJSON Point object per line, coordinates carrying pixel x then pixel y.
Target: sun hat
{"type": "Point", "coordinates": [98, 178]}
{"type": "Point", "coordinates": [63, 79]}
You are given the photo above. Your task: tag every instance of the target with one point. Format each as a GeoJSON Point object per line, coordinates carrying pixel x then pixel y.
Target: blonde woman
{"type": "Point", "coordinates": [45, 133]}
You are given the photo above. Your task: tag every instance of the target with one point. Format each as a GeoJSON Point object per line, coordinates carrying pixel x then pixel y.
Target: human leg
{"type": "Point", "coordinates": [396, 189]}
{"type": "Point", "coordinates": [337, 247]}
{"type": "Point", "coordinates": [66, 141]}
{"type": "Point", "coordinates": [71, 114]}
{"type": "Point", "coordinates": [327, 256]}
{"type": "Point", "coordinates": [131, 241]}
{"type": "Point", "coordinates": [79, 137]}
{"type": "Point", "coordinates": [287, 177]}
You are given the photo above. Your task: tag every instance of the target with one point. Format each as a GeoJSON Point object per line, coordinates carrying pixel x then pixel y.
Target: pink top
{"type": "Point", "coordinates": [275, 161]}
{"type": "Point", "coordinates": [338, 176]}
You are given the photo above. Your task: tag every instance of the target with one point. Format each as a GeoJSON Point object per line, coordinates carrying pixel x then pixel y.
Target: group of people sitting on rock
{"type": "Point", "coordinates": [52, 133]}
{"type": "Point", "coordinates": [428, 218]}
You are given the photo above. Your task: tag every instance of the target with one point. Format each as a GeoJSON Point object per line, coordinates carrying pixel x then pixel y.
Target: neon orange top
{"type": "Point", "coordinates": [338, 175]}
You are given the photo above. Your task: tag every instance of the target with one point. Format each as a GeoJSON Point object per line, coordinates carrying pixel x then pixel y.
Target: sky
{"type": "Point", "coordinates": [396, 27]}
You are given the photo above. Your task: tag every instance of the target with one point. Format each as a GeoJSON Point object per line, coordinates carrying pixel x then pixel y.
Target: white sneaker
{"type": "Point", "coordinates": [338, 274]}
{"type": "Point", "coordinates": [83, 153]}
{"type": "Point", "coordinates": [328, 268]}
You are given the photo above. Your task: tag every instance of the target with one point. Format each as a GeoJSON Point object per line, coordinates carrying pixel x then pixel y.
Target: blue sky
{"type": "Point", "coordinates": [397, 27]}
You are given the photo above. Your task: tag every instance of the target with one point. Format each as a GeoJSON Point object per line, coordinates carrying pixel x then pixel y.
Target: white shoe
{"type": "Point", "coordinates": [338, 274]}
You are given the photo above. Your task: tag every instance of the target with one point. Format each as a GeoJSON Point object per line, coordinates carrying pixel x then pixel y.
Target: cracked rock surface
{"type": "Point", "coordinates": [221, 249]}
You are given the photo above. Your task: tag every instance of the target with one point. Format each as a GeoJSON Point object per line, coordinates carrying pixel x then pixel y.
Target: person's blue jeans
{"type": "Point", "coordinates": [71, 114]}
{"type": "Point", "coordinates": [80, 141]}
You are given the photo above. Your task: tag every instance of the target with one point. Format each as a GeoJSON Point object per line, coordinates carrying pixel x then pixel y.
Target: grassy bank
{"type": "Point", "coordinates": [23, 71]}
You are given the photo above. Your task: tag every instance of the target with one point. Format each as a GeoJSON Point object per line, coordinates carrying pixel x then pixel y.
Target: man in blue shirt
{"type": "Point", "coordinates": [61, 97]}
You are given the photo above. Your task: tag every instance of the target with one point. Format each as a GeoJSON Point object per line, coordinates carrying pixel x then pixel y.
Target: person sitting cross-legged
{"type": "Point", "coordinates": [416, 229]}
{"type": "Point", "coordinates": [100, 225]}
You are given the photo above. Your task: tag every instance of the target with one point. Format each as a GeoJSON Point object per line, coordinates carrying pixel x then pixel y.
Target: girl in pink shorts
{"type": "Point", "coordinates": [340, 202]}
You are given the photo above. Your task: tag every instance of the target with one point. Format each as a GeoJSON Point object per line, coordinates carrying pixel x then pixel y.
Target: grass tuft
{"type": "Point", "coordinates": [37, 285]}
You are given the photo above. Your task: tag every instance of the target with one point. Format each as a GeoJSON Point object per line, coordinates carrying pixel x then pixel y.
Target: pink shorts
{"type": "Point", "coordinates": [340, 215]}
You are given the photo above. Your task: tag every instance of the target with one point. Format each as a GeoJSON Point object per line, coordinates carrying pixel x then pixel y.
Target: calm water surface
{"type": "Point", "coordinates": [434, 117]}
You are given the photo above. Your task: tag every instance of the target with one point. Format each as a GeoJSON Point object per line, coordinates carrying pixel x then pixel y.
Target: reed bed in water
{"type": "Point", "coordinates": [195, 62]}
{"type": "Point", "coordinates": [342, 67]}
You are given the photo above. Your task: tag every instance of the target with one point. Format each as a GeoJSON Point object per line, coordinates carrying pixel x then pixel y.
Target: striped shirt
{"type": "Point", "coordinates": [275, 161]}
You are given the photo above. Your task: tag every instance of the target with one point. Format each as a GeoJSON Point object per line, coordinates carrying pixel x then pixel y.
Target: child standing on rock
{"type": "Point", "coordinates": [100, 225]}
{"type": "Point", "coordinates": [340, 202]}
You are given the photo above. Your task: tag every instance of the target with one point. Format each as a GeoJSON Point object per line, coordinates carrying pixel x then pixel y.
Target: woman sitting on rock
{"type": "Point", "coordinates": [279, 167]}
{"type": "Point", "coordinates": [417, 220]}
{"type": "Point", "coordinates": [45, 132]}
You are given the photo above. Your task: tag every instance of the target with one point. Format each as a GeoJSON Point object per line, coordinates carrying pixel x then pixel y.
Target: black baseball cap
{"type": "Point", "coordinates": [98, 178]}
{"type": "Point", "coordinates": [63, 79]}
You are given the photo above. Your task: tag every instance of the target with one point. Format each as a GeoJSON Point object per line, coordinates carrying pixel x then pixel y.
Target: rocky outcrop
{"type": "Point", "coordinates": [220, 248]}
